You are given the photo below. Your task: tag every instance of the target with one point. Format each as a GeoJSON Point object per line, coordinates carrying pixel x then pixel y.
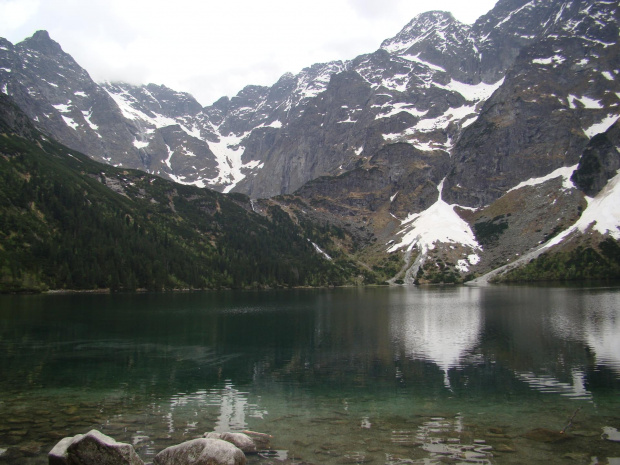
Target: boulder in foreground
{"type": "Point", "coordinates": [240, 440]}
{"type": "Point", "coordinates": [93, 448]}
{"type": "Point", "coordinates": [203, 451]}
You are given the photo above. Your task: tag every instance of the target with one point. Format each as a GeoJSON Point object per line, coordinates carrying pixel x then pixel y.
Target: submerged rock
{"type": "Point", "coordinates": [546, 435]}
{"type": "Point", "coordinates": [262, 440]}
{"type": "Point", "coordinates": [356, 458]}
{"type": "Point", "coordinates": [93, 448]}
{"type": "Point", "coordinates": [203, 451]}
{"type": "Point", "coordinates": [505, 448]}
{"type": "Point", "coordinates": [240, 440]}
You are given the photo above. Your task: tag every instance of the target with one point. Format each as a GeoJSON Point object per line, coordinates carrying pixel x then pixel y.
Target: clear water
{"type": "Point", "coordinates": [377, 375]}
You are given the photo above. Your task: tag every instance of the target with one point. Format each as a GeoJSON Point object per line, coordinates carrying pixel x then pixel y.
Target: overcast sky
{"type": "Point", "coordinates": [214, 48]}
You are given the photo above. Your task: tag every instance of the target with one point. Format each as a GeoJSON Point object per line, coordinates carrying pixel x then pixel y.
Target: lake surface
{"type": "Point", "coordinates": [398, 375]}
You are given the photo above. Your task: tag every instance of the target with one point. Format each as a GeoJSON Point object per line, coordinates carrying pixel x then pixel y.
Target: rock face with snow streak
{"type": "Point", "coordinates": [560, 89]}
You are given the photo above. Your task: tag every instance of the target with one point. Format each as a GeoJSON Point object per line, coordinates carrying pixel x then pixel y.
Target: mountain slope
{"type": "Point", "coordinates": [448, 151]}
{"type": "Point", "coordinates": [69, 222]}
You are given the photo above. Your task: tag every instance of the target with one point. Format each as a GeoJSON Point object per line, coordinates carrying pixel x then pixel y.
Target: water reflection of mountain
{"type": "Point", "coordinates": [548, 340]}
{"type": "Point", "coordinates": [593, 318]}
{"type": "Point", "coordinates": [553, 340]}
{"type": "Point", "coordinates": [442, 327]}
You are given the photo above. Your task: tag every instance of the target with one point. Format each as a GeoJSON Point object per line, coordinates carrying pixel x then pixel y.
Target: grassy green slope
{"type": "Point", "coordinates": [599, 261]}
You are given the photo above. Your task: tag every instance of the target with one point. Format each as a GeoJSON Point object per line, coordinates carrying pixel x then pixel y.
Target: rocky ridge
{"type": "Point", "coordinates": [425, 86]}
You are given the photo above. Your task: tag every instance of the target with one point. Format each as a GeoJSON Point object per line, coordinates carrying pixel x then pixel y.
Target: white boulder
{"type": "Point", "coordinates": [202, 451]}
{"type": "Point", "coordinates": [93, 448]}
{"type": "Point", "coordinates": [240, 440]}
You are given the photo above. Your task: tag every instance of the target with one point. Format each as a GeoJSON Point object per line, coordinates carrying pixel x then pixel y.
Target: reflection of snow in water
{"type": "Point", "coordinates": [437, 328]}
{"type": "Point", "coordinates": [440, 438]}
{"type": "Point", "coordinates": [597, 325]}
{"type": "Point", "coordinates": [233, 406]}
{"type": "Point", "coordinates": [602, 329]}
{"type": "Point", "coordinates": [545, 383]}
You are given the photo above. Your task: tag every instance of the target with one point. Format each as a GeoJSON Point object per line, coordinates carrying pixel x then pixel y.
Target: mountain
{"type": "Point", "coordinates": [68, 222]}
{"type": "Point", "coordinates": [448, 152]}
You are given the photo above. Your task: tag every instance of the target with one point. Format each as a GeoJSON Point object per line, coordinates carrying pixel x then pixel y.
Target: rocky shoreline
{"type": "Point", "coordinates": [95, 448]}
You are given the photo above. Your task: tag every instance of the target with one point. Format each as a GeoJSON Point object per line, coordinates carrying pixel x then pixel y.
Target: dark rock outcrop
{"type": "Point", "coordinates": [600, 161]}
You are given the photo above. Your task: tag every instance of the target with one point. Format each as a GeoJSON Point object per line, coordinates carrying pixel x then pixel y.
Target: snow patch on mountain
{"type": "Point", "coordinates": [312, 81]}
{"type": "Point", "coordinates": [320, 251]}
{"type": "Point", "coordinates": [565, 172]}
{"type": "Point", "coordinates": [194, 131]}
{"type": "Point", "coordinates": [417, 59]}
{"type": "Point", "coordinates": [607, 75]}
{"type": "Point", "coordinates": [602, 214]}
{"type": "Point", "coordinates": [228, 152]}
{"type": "Point", "coordinates": [124, 100]}
{"type": "Point", "coordinates": [442, 122]}
{"type": "Point", "coordinates": [170, 153]}
{"type": "Point", "coordinates": [70, 122]}
{"type": "Point", "coordinates": [438, 223]}
{"type": "Point", "coordinates": [601, 126]}
{"type": "Point", "coordinates": [587, 102]}
{"type": "Point", "coordinates": [472, 92]}
{"type": "Point", "coordinates": [555, 60]}
{"type": "Point", "coordinates": [87, 117]}
{"type": "Point", "coordinates": [465, 113]}
{"type": "Point", "coordinates": [389, 110]}
{"type": "Point", "coordinates": [463, 264]}
{"type": "Point", "coordinates": [63, 107]}
{"type": "Point", "coordinates": [274, 124]}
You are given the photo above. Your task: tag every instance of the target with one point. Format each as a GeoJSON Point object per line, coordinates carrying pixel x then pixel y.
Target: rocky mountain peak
{"type": "Point", "coordinates": [43, 43]}
{"type": "Point", "coordinates": [422, 28]}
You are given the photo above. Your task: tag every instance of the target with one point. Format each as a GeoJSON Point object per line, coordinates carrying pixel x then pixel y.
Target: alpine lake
{"type": "Point", "coordinates": [385, 375]}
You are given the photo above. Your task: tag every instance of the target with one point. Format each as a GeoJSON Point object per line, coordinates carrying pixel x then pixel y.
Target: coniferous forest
{"type": "Point", "coordinates": [68, 222]}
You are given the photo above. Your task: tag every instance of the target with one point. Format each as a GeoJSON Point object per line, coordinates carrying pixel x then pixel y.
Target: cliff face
{"type": "Point", "coordinates": [599, 162]}
{"type": "Point", "coordinates": [430, 86]}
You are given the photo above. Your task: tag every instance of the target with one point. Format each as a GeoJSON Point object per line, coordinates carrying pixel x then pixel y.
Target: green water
{"type": "Point", "coordinates": [378, 375]}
